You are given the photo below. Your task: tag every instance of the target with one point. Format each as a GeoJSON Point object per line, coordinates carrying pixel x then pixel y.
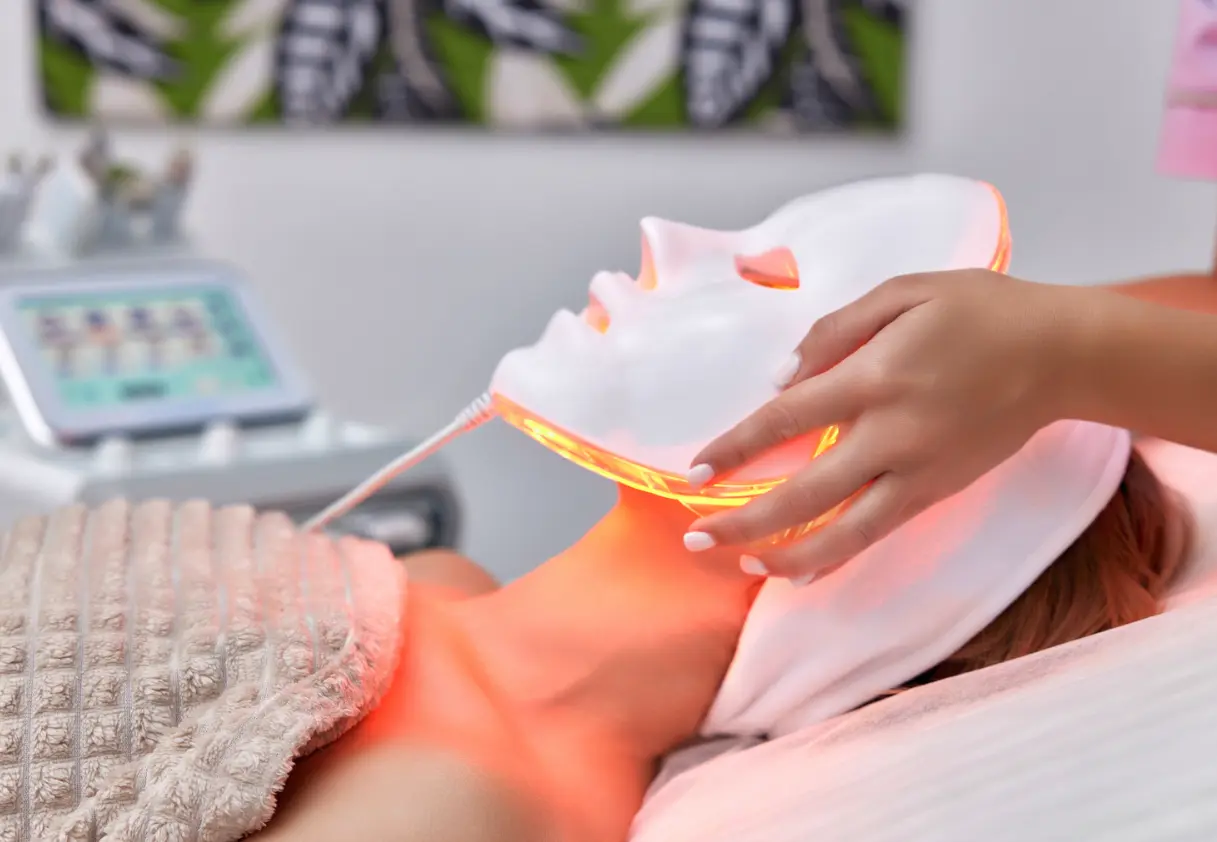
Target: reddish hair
{"type": "Point", "coordinates": [1116, 573]}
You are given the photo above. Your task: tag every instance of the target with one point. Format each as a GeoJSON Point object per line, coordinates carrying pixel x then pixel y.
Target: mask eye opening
{"type": "Point", "coordinates": [773, 269]}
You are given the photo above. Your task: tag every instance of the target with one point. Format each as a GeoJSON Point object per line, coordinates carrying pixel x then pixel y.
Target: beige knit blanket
{"type": "Point", "coordinates": [161, 666]}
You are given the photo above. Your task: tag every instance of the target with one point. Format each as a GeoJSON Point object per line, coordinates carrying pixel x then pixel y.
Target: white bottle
{"type": "Point", "coordinates": [65, 214]}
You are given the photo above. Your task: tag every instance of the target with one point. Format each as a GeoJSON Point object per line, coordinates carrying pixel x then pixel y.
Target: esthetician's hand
{"type": "Point", "coordinates": [936, 379]}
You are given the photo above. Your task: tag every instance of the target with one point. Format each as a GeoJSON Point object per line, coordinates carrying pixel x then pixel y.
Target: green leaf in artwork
{"type": "Point", "coordinates": [664, 109]}
{"type": "Point", "coordinates": [464, 56]}
{"type": "Point", "coordinates": [67, 78]}
{"type": "Point", "coordinates": [880, 49]}
{"type": "Point", "coordinates": [605, 29]}
{"type": "Point", "coordinates": [266, 111]}
{"type": "Point", "coordinates": [202, 52]}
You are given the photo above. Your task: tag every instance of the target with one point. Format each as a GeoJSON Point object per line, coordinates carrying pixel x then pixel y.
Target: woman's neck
{"type": "Point", "coordinates": [626, 632]}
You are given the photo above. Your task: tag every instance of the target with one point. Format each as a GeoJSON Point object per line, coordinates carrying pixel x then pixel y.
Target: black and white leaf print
{"type": "Point", "coordinates": [417, 89]}
{"type": "Point", "coordinates": [398, 100]}
{"type": "Point", "coordinates": [322, 56]}
{"type": "Point", "coordinates": [108, 35]}
{"type": "Point", "coordinates": [525, 24]}
{"type": "Point", "coordinates": [326, 48]}
{"type": "Point", "coordinates": [730, 49]}
{"type": "Point", "coordinates": [812, 102]}
{"type": "Point", "coordinates": [828, 89]}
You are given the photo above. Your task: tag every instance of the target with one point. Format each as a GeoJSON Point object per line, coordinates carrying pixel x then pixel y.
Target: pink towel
{"type": "Point", "coordinates": [1189, 128]}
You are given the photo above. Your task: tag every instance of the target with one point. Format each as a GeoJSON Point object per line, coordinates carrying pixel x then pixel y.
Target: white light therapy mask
{"type": "Point", "coordinates": [658, 365]}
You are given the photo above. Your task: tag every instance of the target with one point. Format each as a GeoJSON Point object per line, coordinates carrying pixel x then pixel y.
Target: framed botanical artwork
{"type": "Point", "coordinates": [783, 66]}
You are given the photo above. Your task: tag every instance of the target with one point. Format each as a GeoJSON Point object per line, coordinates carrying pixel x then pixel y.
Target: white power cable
{"type": "Point", "coordinates": [471, 417]}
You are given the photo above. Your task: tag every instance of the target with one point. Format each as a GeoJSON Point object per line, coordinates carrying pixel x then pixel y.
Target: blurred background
{"type": "Point", "coordinates": [402, 263]}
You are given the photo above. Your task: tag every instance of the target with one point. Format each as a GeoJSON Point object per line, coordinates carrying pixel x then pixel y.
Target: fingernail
{"type": "Point", "coordinates": [788, 370]}
{"type": "Point", "coordinates": [752, 565]}
{"type": "Point", "coordinates": [803, 581]}
{"type": "Point", "coordinates": [696, 542]}
{"type": "Point", "coordinates": [699, 475]}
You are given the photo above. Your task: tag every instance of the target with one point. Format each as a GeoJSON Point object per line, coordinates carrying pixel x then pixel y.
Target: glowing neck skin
{"type": "Point", "coordinates": [656, 366]}
{"type": "Point", "coordinates": [636, 634]}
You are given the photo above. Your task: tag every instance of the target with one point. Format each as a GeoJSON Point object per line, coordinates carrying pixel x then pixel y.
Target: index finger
{"type": "Point", "coordinates": [834, 337]}
{"type": "Point", "coordinates": [810, 405]}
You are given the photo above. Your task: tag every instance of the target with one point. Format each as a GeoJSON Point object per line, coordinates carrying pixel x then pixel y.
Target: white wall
{"type": "Point", "coordinates": [403, 265]}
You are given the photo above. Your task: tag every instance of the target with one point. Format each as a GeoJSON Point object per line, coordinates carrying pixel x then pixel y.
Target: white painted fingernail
{"type": "Point", "coordinates": [696, 542]}
{"type": "Point", "coordinates": [699, 475]}
{"type": "Point", "coordinates": [753, 566]}
{"type": "Point", "coordinates": [788, 370]}
{"type": "Point", "coordinates": [803, 581]}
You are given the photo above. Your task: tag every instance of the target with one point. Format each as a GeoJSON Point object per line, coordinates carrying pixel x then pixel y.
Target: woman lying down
{"type": "Point", "coordinates": [535, 711]}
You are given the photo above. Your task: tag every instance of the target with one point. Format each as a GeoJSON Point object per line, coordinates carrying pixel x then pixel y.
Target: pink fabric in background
{"type": "Point", "coordinates": [1189, 127]}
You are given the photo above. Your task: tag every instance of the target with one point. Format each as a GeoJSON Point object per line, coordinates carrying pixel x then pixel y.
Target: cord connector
{"type": "Point", "coordinates": [471, 417]}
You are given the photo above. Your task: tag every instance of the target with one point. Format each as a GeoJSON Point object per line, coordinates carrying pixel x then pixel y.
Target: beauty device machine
{"type": "Point", "coordinates": [133, 367]}
{"type": "Point", "coordinates": [155, 377]}
{"type": "Point", "coordinates": [657, 366]}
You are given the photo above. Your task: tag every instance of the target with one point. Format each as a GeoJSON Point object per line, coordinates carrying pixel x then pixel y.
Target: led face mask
{"type": "Point", "coordinates": [657, 366]}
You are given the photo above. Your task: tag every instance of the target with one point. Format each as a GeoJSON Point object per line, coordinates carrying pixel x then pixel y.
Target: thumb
{"type": "Point", "coordinates": [834, 337]}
